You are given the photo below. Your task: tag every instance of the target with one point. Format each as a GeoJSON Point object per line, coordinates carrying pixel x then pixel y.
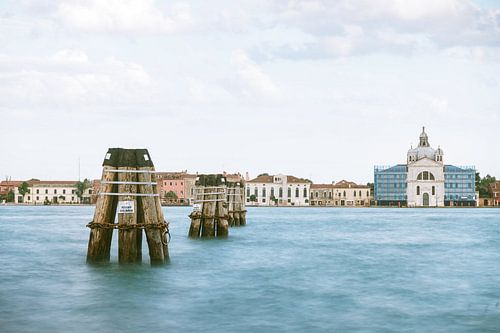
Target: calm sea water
{"type": "Point", "coordinates": [288, 270]}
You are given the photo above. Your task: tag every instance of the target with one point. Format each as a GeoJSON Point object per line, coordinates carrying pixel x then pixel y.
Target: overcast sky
{"type": "Point", "coordinates": [317, 89]}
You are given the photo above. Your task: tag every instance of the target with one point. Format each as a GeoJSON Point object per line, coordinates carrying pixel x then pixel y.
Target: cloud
{"type": "Point", "coordinates": [68, 79]}
{"type": "Point", "coordinates": [124, 16]}
{"type": "Point", "coordinates": [253, 80]}
{"type": "Point", "coordinates": [353, 27]}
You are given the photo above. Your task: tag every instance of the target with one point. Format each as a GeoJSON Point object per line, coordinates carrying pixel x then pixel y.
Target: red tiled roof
{"type": "Point", "coordinates": [269, 179]}
{"type": "Point", "coordinates": [340, 184]}
{"type": "Point", "coordinates": [262, 179]}
{"type": "Point", "coordinates": [11, 183]}
{"type": "Point", "coordinates": [53, 182]}
{"type": "Point", "coordinates": [321, 186]}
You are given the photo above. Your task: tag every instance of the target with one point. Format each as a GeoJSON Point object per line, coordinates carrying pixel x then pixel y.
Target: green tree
{"type": "Point", "coordinates": [23, 189]}
{"type": "Point", "coordinates": [171, 195]}
{"type": "Point", "coordinates": [263, 174]}
{"type": "Point", "coordinates": [81, 187]}
{"type": "Point", "coordinates": [274, 199]}
{"type": "Point", "coordinates": [483, 185]}
{"type": "Point", "coordinates": [10, 196]}
{"type": "Point", "coordinates": [253, 198]}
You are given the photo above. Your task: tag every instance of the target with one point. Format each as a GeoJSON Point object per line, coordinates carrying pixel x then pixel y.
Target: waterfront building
{"type": "Point", "coordinates": [7, 186]}
{"type": "Point", "coordinates": [52, 192]}
{"type": "Point", "coordinates": [495, 193]}
{"type": "Point", "coordinates": [277, 190]}
{"type": "Point", "coordinates": [181, 183]}
{"type": "Point", "coordinates": [424, 180]}
{"type": "Point", "coordinates": [343, 193]}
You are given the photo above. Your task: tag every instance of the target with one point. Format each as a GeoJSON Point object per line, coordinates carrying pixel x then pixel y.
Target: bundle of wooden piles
{"type": "Point", "coordinates": [209, 218]}
{"type": "Point", "coordinates": [236, 203]}
{"type": "Point", "coordinates": [128, 186]}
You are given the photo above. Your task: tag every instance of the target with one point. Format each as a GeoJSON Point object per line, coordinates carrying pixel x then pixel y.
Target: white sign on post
{"type": "Point", "coordinates": [125, 207]}
{"type": "Point", "coordinates": [196, 207]}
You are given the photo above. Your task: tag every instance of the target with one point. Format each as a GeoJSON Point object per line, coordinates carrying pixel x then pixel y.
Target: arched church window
{"type": "Point", "coordinates": [418, 190]}
{"type": "Point", "coordinates": [425, 175]}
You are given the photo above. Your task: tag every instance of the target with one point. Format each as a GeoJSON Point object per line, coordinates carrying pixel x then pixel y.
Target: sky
{"type": "Point", "coordinates": [318, 89]}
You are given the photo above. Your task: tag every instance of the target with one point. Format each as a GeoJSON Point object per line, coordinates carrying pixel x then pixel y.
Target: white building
{"type": "Point", "coordinates": [425, 177]}
{"type": "Point", "coordinates": [52, 192]}
{"type": "Point", "coordinates": [342, 193]}
{"type": "Point", "coordinates": [277, 190]}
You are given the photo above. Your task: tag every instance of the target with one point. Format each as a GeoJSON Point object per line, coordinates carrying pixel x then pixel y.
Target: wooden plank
{"type": "Point", "coordinates": [152, 215]}
{"type": "Point", "coordinates": [128, 251]}
{"type": "Point", "coordinates": [159, 213]}
{"type": "Point", "coordinates": [208, 214]}
{"type": "Point", "coordinates": [100, 239]}
{"type": "Point", "coordinates": [221, 213]}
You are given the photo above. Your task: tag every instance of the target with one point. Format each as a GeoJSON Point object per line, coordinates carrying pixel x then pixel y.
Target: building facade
{"type": "Point", "coordinates": [181, 183]}
{"type": "Point", "coordinates": [495, 193]}
{"type": "Point", "coordinates": [52, 192]}
{"type": "Point", "coordinates": [343, 193]}
{"type": "Point", "coordinates": [277, 190]}
{"type": "Point", "coordinates": [424, 181]}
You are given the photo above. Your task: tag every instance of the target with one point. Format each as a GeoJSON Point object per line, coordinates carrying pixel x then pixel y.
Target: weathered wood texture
{"type": "Point", "coordinates": [100, 238]}
{"type": "Point", "coordinates": [128, 251]}
{"type": "Point", "coordinates": [147, 212]}
{"type": "Point", "coordinates": [221, 215]}
{"type": "Point", "coordinates": [208, 213]}
{"type": "Point", "coordinates": [158, 250]}
{"type": "Point", "coordinates": [212, 219]}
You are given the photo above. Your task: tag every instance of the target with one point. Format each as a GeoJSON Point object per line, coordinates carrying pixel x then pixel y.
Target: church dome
{"type": "Point", "coordinates": [425, 152]}
{"type": "Point", "coordinates": [424, 149]}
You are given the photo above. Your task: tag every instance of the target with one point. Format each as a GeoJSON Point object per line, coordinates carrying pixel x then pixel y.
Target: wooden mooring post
{"type": "Point", "coordinates": [236, 203]}
{"type": "Point", "coordinates": [128, 187]}
{"type": "Point", "coordinates": [209, 218]}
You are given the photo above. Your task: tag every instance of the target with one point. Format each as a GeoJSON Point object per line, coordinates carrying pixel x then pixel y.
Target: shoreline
{"type": "Point", "coordinates": [312, 207]}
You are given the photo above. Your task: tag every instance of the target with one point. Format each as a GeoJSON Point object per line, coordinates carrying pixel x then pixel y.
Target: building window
{"type": "Point", "coordinates": [264, 193]}
{"type": "Point", "coordinates": [272, 191]}
{"type": "Point", "coordinates": [360, 193]}
{"type": "Point", "coordinates": [316, 194]}
{"type": "Point", "coordinates": [344, 194]}
{"type": "Point", "coordinates": [354, 193]}
{"type": "Point", "coordinates": [256, 192]}
{"type": "Point", "coordinates": [248, 191]}
{"type": "Point", "coordinates": [281, 192]}
{"type": "Point", "coordinates": [425, 175]}
{"type": "Point", "coordinates": [418, 190]}
{"type": "Point", "coordinates": [55, 191]}
{"type": "Point", "coordinates": [37, 198]}
{"type": "Point", "coordinates": [305, 192]}
{"type": "Point", "coordinates": [289, 192]}
{"type": "Point", "coordinates": [29, 198]}
{"type": "Point", "coordinates": [37, 191]}
{"type": "Point", "coordinates": [433, 190]}
{"type": "Point", "coordinates": [64, 191]}
{"type": "Point", "coordinates": [297, 192]}
{"type": "Point", "coordinates": [46, 191]}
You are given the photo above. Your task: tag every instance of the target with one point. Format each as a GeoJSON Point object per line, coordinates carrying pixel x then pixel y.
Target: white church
{"type": "Point", "coordinates": [425, 177]}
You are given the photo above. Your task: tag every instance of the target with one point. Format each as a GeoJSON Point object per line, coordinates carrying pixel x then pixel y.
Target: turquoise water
{"type": "Point", "coordinates": [288, 270]}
